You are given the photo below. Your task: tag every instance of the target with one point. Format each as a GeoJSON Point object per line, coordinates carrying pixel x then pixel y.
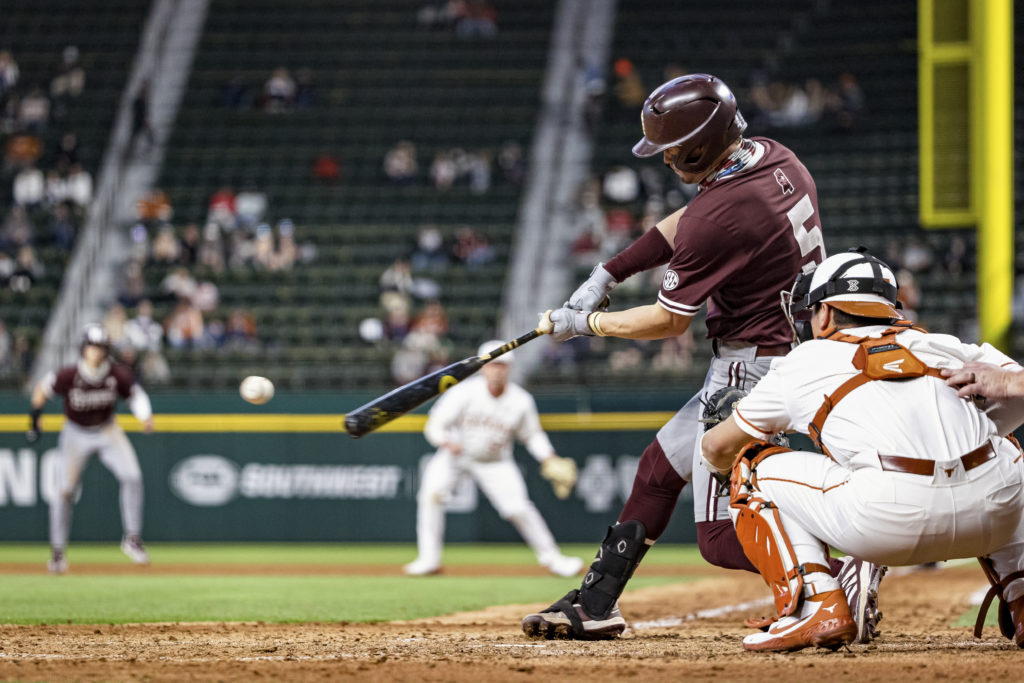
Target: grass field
{"type": "Point", "coordinates": [30, 596]}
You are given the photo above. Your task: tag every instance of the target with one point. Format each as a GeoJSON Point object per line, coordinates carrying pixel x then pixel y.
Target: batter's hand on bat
{"type": "Point", "coordinates": [592, 295]}
{"type": "Point", "coordinates": [985, 379]}
{"type": "Point", "coordinates": [567, 323]}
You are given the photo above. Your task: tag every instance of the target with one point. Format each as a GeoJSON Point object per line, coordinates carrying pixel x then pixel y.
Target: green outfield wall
{"type": "Point", "coordinates": [218, 469]}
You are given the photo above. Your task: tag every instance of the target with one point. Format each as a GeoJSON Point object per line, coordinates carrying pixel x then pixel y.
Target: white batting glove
{"type": "Point", "coordinates": [590, 296]}
{"type": "Point", "coordinates": [562, 473]}
{"type": "Point", "coordinates": [568, 323]}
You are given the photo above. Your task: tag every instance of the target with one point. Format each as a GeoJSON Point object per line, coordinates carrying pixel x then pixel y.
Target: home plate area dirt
{"type": "Point", "coordinates": [683, 632]}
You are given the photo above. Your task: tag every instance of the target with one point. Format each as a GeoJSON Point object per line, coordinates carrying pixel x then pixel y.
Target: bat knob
{"type": "Point", "coordinates": [545, 326]}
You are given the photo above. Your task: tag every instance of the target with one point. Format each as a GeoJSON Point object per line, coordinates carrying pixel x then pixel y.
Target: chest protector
{"type": "Point", "coordinates": [877, 358]}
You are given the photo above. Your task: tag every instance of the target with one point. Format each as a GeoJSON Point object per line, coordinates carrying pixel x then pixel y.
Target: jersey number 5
{"type": "Point", "coordinates": [806, 238]}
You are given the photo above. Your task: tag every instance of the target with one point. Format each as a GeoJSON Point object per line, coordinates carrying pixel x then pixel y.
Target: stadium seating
{"type": "Point", "coordinates": [106, 33]}
{"type": "Point", "coordinates": [378, 77]}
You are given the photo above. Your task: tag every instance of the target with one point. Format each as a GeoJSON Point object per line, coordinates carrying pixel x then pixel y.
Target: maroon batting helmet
{"type": "Point", "coordinates": [698, 114]}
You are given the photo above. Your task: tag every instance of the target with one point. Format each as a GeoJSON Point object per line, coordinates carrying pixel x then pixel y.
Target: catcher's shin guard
{"type": "Point", "coordinates": [761, 533]}
{"type": "Point", "coordinates": [621, 551]}
{"type": "Point", "coordinates": [1010, 615]}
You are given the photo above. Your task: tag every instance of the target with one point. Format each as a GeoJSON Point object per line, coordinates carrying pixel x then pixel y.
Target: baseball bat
{"type": "Point", "coordinates": [380, 411]}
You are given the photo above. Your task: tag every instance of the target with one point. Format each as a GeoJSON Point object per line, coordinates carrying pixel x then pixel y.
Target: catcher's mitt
{"type": "Point", "coordinates": [720, 405]}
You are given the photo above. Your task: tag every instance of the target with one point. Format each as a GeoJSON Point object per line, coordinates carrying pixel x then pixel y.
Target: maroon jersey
{"type": "Point", "coordinates": [90, 401]}
{"type": "Point", "coordinates": [741, 241]}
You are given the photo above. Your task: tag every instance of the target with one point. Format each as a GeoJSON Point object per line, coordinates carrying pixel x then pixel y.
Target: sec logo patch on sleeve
{"type": "Point", "coordinates": [671, 280]}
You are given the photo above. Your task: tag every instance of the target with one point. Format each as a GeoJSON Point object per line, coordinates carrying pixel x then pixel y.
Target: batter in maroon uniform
{"type": "Point", "coordinates": [752, 227]}
{"type": "Point", "coordinates": [90, 390]}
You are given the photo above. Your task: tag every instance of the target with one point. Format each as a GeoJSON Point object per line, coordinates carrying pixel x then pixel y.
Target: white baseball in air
{"type": "Point", "coordinates": [257, 390]}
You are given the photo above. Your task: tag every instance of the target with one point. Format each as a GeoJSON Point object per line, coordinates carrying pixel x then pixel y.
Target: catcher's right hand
{"type": "Point", "coordinates": [562, 473]}
{"type": "Point", "coordinates": [592, 295]}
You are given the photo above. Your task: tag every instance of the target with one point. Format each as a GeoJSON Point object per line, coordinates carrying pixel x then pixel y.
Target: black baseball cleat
{"type": "Point", "coordinates": [859, 580]}
{"type": "Point", "coordinates": [566, 620]}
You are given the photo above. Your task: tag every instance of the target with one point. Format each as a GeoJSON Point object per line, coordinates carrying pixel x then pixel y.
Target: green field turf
{"type": "Point", "coordinates": [33, 598]}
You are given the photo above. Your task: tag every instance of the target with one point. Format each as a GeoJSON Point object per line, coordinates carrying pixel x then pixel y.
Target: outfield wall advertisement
{"type": "Point", "coordinates": [263, 476]}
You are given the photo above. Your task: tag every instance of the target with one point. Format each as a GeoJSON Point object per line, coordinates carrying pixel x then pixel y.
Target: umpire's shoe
{"type": "Point", "coordinates": [566, 620]}
{"type": "Point", "coordinates": [824, 621]}
{"type": "Point", "coordinates": [859, 580]}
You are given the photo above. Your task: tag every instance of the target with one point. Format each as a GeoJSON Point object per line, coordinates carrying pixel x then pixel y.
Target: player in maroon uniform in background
{"type": "Point", "coordinates": [91, 389]}
{"type": "Point", "coordinates": [752, 227]}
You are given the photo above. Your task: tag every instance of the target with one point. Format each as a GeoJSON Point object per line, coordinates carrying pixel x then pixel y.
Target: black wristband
{"type": "Point", "coordinates": [35, 414]}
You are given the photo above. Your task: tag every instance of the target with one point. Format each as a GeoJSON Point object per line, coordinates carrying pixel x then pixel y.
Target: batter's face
{"type": "Point", "coordinates": [496, 375]}
{"type": "Point", "coordinates": [671, 156]}
{"type": "Point", "coordinates": [94, 355]}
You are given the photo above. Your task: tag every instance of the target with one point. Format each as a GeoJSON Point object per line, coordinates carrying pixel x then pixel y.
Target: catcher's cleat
{"type": "Point", "coordinates": [860, 580]}
{"type": "Point", "coordinates": [133, 548]}
{"type": "Point", "coordinates": [1016, 608]}
{"type": "Point", "coordinates": [566, 620]}
{"type": "Point", "coordinates": [58, 562]}
{"type": "Point", "coordinates": [824, 621]}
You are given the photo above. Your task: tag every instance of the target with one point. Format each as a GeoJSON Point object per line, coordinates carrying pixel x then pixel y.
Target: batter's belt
{"type": "Point", "coordinates": [926, 468]}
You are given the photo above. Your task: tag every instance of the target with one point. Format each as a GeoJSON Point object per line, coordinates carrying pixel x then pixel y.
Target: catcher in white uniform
{"type": "Point", "coordinates": [473, 426]}
{"type": "Point", "coordinates": [911, 472]}
{"type": "Point", "coordinates": [91, 389]}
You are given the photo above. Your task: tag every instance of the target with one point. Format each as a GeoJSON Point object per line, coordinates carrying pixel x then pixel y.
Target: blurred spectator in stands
{"type": "Point", "coordinates": [235, 92]}
{"type": "Point", "coordinates": [263, 251]}
{"type": "Point", "coordinates": [909, 294]}
{"type": "Point", "coordinates": [241, 330]}
{"type": "Point", "coordinates": [429, 254]}
{"type": "Point", "coordinates": [850, 105]}
{"type": "Point", "coordinates": [432, 319]}
{"type": "Point", "coordinates": [287, 251]}
{"type": "Point", "coordinates": [142, 332]}
{"type": "Point", "coordinates": [439, 13]}
{"type": "Point", "coordinates": [476, 18]}
{"type": "Point", "coordinates": [154, 207]}
{"type": "Point", "coordinates": [179, 284]}
{"type": "Point", "coordinates": [621, 184]}
{"type": "Point", "coordinates": [675, 354]}
{"type": "Point", "coordinates": [216, 333]}
{"type": "Point", "coordinates": [222, 208]}
{"type": "Point", "coordinates": [396, 323]}
{"type": "Point", "coordinates": [206, 297]}
{"type": "Point", "coordinates": [6, 268]}
{"type": "Point", "coordinates": [34, 111]}
{"type": "Point", "coordinates": [70, 79]}
{"type": "Point", "coordinates": [917, 256]}
{"type": "Point", "coordinates": [250, 206]}
{"type": "Point", "coordinates": [21, 150]}
{"type": "Point", "coordinates": [479, 172]}
{"type": "Point", "coordinates": [627, 360]}
{"type": "Point", "coordinates": [279, 91]}
{"type": "Point", "coordinates": [8, 72]}
{"type": "Point", "coordinates": [79, 186]}
{"type": "Point", "coordinates": [27, 270]}
{"type": "Point", "coordinates": [114, 322]}
{"type": "Point", "coordinates": [400, 165]}
{"type": "Point", "coordinates": [305, 88]}
{"type": "Point", "coordinates": [628, 88]}
{"type": "Point", "coordinates": [512, 163]}
{"type": "Point", "coordinates": [326, 168]}
{"type": "Point", "coordinates": [138, 237]}
{"type": "Point", "coordinates": [165, 249]}
{"type": "Point", "coordinates": [6, 361]}
{"type": "Point", "coordinates": [594, 89]}
{"type": "Point", "coordinates": [17, 229]}
{"type": "Point", "coordinates": [471, 248]}
{"type": "Point", "coordinates": [211, 249]}
{"type": "Point", "coordinates": [143, 136]}
{"type": "Point", "coordinates": [132, 288]}
{"type": "Point", "coordinates": [22, 356]}
{"type": "Point", "coordinates": [590, 227]}
{"type": "Point", "coordinates": [63, 228]}
{"type": "Point", "coordinates": [420, 351]}
{"type": "Point", "coordinates": [443, 170]}
{"type": "Point", "coordinates": [184, 326]}
{"type": "Point", "coordinates": [67, 152]}
{"type": "Point", "coordinates": [397, 278]}
{"type": "Point", "coordinates": [957, 261]}
{"type": "Point", "coordinates": [153, 368]}
{"type": "Point", "coordinates": [188, 245]}
{"type": "Point", "coordinates": [241, 249]}
{"type": "Point", "coordinates": [29, 187]}
{"type": "Point", "coordinates": [56, 188]}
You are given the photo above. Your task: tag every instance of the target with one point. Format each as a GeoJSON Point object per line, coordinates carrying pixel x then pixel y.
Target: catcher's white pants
{"type": "Point", "coordinates": [76, 445]}
{"type": "Point", "coordinates": [895, 518]}
{"type": "Point", "coordinates": [502, 483]}
{"type": "Point", "coordinates": [735, 365]}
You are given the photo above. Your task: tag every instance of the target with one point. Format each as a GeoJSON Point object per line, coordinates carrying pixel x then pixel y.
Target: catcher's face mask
{"type": "Point", "coordinates": [798, 315]}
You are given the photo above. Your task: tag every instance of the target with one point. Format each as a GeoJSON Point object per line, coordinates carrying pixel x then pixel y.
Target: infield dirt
{"type": "Point", "coordinates": [917, 644]}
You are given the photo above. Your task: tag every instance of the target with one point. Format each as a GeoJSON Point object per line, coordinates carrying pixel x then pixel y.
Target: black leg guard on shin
{"type": "Point", "coordinates": [621, 551]}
